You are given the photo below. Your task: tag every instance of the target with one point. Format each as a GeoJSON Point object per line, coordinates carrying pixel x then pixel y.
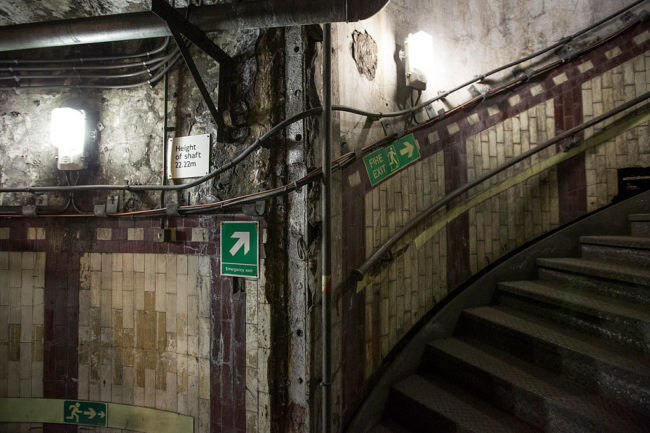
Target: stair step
{"type": "Point", "coordinates": [584, 302]}
{"type": "Point", "coordinates": [639, 242]}
{"type": "Point", "coordinates": [389, 426]}
{"type": "Point", "coordinates": [531, 393]}
{"type": "Point", "coordinates": [640, 224]}
{"type": "Point", "coordinates": [433, 404]}
{"type": "Point", "coordinates": [631, 250]}
{"type": "Point", "coordinates": [615, 319]}
{"type": "Point", "coordinates": [569, 281]}
{"type": "Point", "coordinates": [587, 360]}
{"type": "Point", "coordinates": [611, 271]}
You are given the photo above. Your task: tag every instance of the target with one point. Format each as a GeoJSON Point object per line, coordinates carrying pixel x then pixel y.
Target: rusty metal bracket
{"type": "Point", "coordinates": [181, 28]}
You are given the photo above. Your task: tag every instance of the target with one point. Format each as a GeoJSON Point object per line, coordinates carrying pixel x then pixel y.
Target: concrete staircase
{"type": "Point", "coordinates": [568, 352]}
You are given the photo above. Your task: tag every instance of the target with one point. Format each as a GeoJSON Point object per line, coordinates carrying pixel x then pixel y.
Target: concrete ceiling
{"type": "Point", "coordinates": [27, 11]}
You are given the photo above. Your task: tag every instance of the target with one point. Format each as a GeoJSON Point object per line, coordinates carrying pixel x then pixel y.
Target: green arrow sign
{"type": "Point", "coordinates": [386, 161]}
{"type": "Point", "coordinates": [240, 255]}
{"type": "Point", "coordinates": [85, 412]}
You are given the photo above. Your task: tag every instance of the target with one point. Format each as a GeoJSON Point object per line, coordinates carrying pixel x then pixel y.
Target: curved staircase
{"type": "Point", "coordinates": [568, 352]}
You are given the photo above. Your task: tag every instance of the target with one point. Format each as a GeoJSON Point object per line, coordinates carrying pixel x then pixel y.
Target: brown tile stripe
{"type": "Point", "coordinates": [571, 177]}
{"type": "Point", "coordinates": [61, 330]}
{"type": "Point", "coordinates": [227, 361]}
{"type": "Point", "coordinates": [458, 269]}
{"type": "Point", "coordinates": [63, 250]}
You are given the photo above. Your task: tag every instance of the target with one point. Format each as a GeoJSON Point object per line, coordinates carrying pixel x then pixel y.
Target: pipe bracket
{"type": "Point", "coordinates": [181, 28]}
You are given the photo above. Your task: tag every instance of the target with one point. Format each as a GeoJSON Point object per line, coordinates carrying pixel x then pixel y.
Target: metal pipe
{"type": "Point", "coordinates": [85, 60]}
{"type": "Point", "coordinates": [359, 272]}
{"type": "Point", "coordinates": [163, 179]}
{"type": "Point", "coordinates": [326, 262]}
{"type": "Point", "coordinates": [143, 25]}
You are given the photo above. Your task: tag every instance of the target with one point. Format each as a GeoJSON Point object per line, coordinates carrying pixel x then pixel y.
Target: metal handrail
{"type": "Point", "coordinates": [359, 273]}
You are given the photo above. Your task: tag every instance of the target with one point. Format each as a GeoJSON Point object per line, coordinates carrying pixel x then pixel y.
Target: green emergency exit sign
{"type": "Point", "coordinates": [85, 412]}
{"type": "Point", "coordinates": [240, 254]}
{"type": "Point", "coordinates": [386, 161]}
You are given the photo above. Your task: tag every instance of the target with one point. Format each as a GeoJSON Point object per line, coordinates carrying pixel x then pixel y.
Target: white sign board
{"type": "Point", "coordinates": [188, 156]}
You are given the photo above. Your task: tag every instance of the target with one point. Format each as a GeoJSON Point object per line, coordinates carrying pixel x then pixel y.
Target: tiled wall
{"type": "Point", "coordinates": [504, 213]}
{"type": "Point", "coordinates": [599, 95]}
{"type": "Point", "coordinates": [525, 211]}
{"type": "Point", "coordinates": [144, 332]}
{"type": "Point", "coordinates": [407, 288]}
{"type": "Point", "coordinates": [21, 326]}
{"type": "Point", "coordinates": [125, 319]}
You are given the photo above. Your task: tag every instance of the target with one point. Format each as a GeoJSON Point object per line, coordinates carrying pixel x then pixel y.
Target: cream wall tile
{"type": "Point", "coordinates": [138, 282]}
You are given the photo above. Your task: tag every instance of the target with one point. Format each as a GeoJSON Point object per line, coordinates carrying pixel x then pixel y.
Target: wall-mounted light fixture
{"type": "Point", "coordinates": [418, 51]}
{"type": "Point", "coordinates": [70, 134]}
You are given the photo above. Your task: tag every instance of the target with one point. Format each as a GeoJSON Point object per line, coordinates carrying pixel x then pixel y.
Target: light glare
{"type": "Point", "coordinates": [68, 134]}
{"type": "Point", "coordinates": [68, 130]}
{"type": "Point", "coordinates": [419, 59]}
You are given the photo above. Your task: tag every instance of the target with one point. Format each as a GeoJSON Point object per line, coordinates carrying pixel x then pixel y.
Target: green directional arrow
{"type": "Point", "coordinates": [385, 162]}
{"type": "Point", "coordinates": [239, 249]}
{"type": "Point", "coordinates": [407, 150]}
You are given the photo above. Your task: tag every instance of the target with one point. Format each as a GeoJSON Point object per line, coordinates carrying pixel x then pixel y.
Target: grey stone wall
{"type": "Point", "coordinates": [130, 149]}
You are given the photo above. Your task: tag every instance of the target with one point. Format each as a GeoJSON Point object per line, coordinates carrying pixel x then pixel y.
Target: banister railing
{"type": "Point", "coordinates": [360, 272]}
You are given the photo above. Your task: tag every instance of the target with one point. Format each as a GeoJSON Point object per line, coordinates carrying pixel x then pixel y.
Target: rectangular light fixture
{"type": "Point", "coordinates": [419, 59]}
{"type": "Point", "coordinates": [68, 134]}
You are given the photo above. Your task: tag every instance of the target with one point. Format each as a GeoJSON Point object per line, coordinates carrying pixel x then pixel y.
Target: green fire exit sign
{"type": "Point", "coordinates": [85, 412]}
{"type": "Point", "coordinates": [386, 161]}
